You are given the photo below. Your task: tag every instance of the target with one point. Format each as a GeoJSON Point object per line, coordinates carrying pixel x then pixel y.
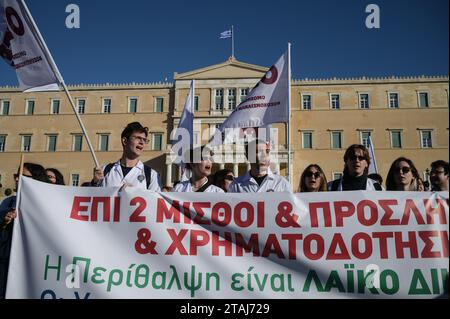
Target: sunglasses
{"type": "Point", "coordinates": [404, 169]}
{"type": "Point", "coordinates": [311, 174]}
{"type": "Point", "coordinates": [229, 178]}
{"type": "Point", "coordinates": [354, 158]}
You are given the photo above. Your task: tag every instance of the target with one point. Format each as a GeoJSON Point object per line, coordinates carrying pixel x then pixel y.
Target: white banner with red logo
{"type": "Point", "coordinates": [267, 102]}
{"type": "Point", "coordinates": [98, 243]}
{"type": "Point", "coordinates": [22, 47]}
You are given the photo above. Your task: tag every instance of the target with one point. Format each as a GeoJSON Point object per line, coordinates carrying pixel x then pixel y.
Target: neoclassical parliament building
{"type": "Point", "coordinates": [404, 116]}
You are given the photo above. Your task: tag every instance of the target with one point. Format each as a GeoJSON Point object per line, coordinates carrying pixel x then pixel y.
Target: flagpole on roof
{"type": "Point", "coordinates": [232, 41]}
{"type": "Point", "coordinates": [58, 76]}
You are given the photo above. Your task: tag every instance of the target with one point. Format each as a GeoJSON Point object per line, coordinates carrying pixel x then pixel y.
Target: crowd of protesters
{"type": "Point", "coordinates": [129, 171]}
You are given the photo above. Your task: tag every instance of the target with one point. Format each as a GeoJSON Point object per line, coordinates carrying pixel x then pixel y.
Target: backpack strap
{"type": "Point", "coordinates": [108, 169]}
{"type": "Point", "coordinates": [377, 186]}
{"type": "Point", "coordinates": [148, 174]}
{"type": "Point", "coordinates": [335, 185]}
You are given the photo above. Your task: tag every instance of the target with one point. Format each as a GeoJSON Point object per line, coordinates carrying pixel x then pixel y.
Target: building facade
{"type": "Point", "coordinates": [405, 116]}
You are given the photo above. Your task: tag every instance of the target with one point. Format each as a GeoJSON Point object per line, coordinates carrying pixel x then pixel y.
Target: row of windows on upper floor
{"type": "Point", "coordinates": [81, 105]}
{"type": "Point", "coordinates": [364, 102]}
{"type": "Point", "coordinates": [156, 140]}
{"type": "Point", "coordinates": [396, 139]}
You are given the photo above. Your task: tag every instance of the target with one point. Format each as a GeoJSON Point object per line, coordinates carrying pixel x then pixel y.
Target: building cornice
{"type": "Point", "coordinates": [295, 82]}
{"type": "Point", "coordinates": [104, 86]}
{"type": "Point", "coordinates": [372, 80]}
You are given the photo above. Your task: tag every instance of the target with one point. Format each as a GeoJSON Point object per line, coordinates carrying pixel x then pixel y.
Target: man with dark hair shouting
{"type": "Point", "coordinates": [129, 170]}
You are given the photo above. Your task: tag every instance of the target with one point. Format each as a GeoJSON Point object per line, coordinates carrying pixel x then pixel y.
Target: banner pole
{"type": "Point", "coordinates": [289, 117]}
{"type": "Point", "coordinates": [22, 161]}
{"type": "Point", "coordinates": [91, 148]}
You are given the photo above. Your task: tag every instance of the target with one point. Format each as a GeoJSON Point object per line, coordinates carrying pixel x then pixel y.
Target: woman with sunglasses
{"type": "Point", "coordinates": [55, 176]}
{"type": "Point", "coordinates": [313, 180]}
{"type": "Point", "coordinates": [403, 176]}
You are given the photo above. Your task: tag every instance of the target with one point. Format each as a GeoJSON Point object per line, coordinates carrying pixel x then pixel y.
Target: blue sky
{"type": "Point", "coordinates": [146, 41]}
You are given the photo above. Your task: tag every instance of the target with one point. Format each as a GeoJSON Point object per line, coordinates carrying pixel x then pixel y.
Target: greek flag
{"type": "Point", "coordinates": [226, 34]}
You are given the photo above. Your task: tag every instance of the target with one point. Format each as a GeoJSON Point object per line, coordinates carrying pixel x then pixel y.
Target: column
{"type": "Point", "coordinates": [222, 166]}
{"type": "Point", "coordinates": [168, 175]}
{"type": "Point", "coordinates": [180, 172]}
{"type": "Point", "coordinates": [236, 170]}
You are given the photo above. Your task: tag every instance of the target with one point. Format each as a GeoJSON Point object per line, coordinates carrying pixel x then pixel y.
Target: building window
{"type": "Point", "coordinates": [55, 106]}
{"type": "Point", "coordinates": [365, 138]}
{"type": "Point", "coordinates": [396, 139]}
{"type": "Point", "coordinates": [337, 175]}
{"type": "Point", "coordinates": [77, 143]}
{"type": "Point", "coordinates": [231, 99]}
{"type": "Point", "coordinates": [75, 180]}
{"type": "Point", "coordinates": [335, 100]}
{"type": "Point", "coordinates": [306, 102]}
{"type": "Point", "coordinates": [423, 99]}
{"type": "Point", "coordinates": [4, 105]}
{"type": "Point", "coordinates": [393, 101]}
{"type": "Point", "coordinates": [159, 105]}
{"type": "Point", "coordinates": [51, 143]}
{"type": "Point", "coordinates": [336, 140]}
{"type": "Point", "coordinates": [107, 106]}
{"type": "Point", "coordinates": [81, 104]}
{"type": "Point", "coordinates": [2, 143]}
{"type": "Point", "coordinates": [30, 107]}
{"type": "Point", "coordinates": [219, 99]}
{"type": "Point", "coordinates": [196, 99]}
{"type": "Point", "coordinates": [157, 141]}
{"type": "Point", "coordinates": [104, 143]}
{"type": "Point", "coordinates": [364, 101]}
{"type": "Point", "coordinates": [26, 143]}
{"type": "Point", "coordinates": [307, 142]}
{"type": "Point", "coordinates": [132, 105]}
{"type": "Point", "coordinates": [426, 139]}
{"type": "Point", "coordinates": [244, 93]}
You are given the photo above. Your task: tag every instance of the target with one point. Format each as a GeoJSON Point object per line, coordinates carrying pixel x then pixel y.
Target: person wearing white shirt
{"type": "Point", "coordinates": [260, 178]}
{"type": "Point", "coordinates": [201, 170]}
{"type": "Point", "coordinates": [129, 171]}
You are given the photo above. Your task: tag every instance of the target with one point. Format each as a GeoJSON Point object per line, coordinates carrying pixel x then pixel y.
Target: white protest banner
{"type": "Point", "coordinates": [22, 47]}
{"type": "Point", "coordinates": [185, 245]}
{"type": "Point", "coordinates": [267, 102]}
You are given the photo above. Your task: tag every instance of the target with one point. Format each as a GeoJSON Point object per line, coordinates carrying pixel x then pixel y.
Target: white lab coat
{"type": "Point", "coordinates": [272, 183]}
{"type": "Point", "coordinates": [136, 178]}
{"type": "Point", "coordinates": [186, 187]}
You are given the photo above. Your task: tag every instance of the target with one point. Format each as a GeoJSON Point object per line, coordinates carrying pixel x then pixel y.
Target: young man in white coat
{"type": "Point", "coordinates": [260, 178]}
{"type": "Point", "coordinates": [129, 171]}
